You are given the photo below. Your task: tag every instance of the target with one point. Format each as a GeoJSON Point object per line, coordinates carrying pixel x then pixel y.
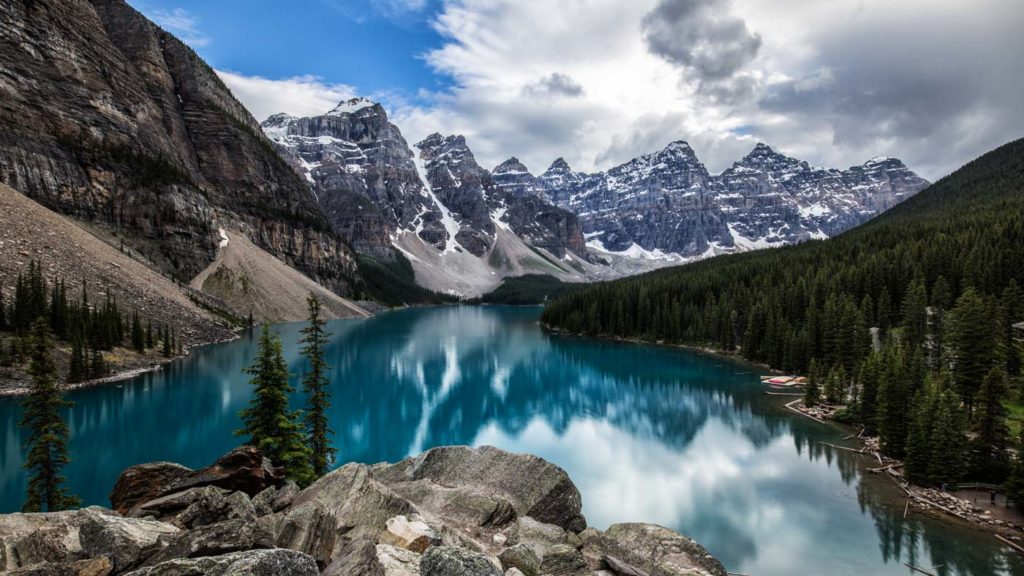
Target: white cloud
{"type": "Point", "coordinates": [300, 95]}
{"type": "Point", "coordinates": [832, 82]}
{"type": "Point", "coordinates": [182, 24]}
{"type": "Point", "coordinates": [932, 83]}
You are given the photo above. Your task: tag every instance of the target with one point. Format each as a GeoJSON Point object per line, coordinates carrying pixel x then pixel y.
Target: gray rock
{"type": "Point", "coordinates": [536, 535]}
{"type": "Point", "coordinates": [449, 561]}
{"type": "Point", "coordinates": [213, 506]}
{"type": "Point", "coordinates": [398, 561]}
{"type": "Point", "coordinates": [621, 568]}
{"type": "Point", "coordinates": [275, 562]}
{"type": "Point", "coordinates": [480, 485]}
{"type": "Point", "coordinates": [521, 557]}
{"type": "Point", "coordinates": [347, 501]}
{"type": "Point", "coordinates": [213, 540]}
{"type": "Point", "coordinates": [174, 503]}
{"type": "Point", "coordinates": [88, 567]}
{"type": "Point", "coordinates": [653, 549]}
{"type": "Point", "coordinates": [27, 539]}
{"type": "Point", "coordinates": [273, 499]}
{"type": "Point", "coordinates": [562, 560]}
{"type": "Point", "coordinates": [355, 558]}
{"type": "Point", "coordinates": [127, 541]}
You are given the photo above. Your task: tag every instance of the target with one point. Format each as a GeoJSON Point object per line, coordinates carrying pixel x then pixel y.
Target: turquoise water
{"type": "Point", "coordinates": [651, 434]}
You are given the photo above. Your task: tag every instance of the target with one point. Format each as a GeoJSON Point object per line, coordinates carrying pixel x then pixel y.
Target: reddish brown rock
{"type": "Point", "coordinates": [243, 469]}
{"type": "Point", "coordinates": [143, 482]}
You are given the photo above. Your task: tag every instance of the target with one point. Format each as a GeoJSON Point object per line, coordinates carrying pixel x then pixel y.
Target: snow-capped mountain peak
{"type": "Point", "coordinates": [352, 106]}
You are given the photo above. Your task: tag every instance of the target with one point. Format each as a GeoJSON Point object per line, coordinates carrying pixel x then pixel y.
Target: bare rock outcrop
{"type": "Point", "coordinates": [452, 511]}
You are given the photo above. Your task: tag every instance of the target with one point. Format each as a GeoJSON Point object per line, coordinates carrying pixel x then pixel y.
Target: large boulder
{"type": "Point", "coordinates": [345, 505]}
{"type": "Point", "coordinates": [451, 561]}
{"type": "Point", "coordinates": [144, 482]}
{"type": "Point", "coordinates": [538, 536]}
{"type": "Point", "coordinates": [651, 549]}
{"type": "Point", "coordinates": [213, 540]}
{"type": "Point", "coordinates": [520, 557]}
{"type": "Point", "coordinates": [244, 469]}
{"type": "Point", "coordinates": [486, 486]}
{"type": "Point", "coordinates": [173, 504]}
{"type": "Point", "coordinates": [563, 560]}
{"type": "Point", "coordinates": [126, 541]}
{"type": "Point", "coordinates": [215, 507]}
{"type": "Point", "coordinates": [275, 562]}
{"type": "Point", "coordinates": [27, 539]}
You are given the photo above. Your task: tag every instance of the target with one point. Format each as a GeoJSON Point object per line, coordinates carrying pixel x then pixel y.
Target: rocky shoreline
{"type": "Point", "coordinates": [453, 511]}
{"type": "Point", "coordinates": [12, 381]}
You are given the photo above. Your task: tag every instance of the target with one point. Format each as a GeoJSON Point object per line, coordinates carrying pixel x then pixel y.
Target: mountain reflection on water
{"type": "Point", "coordinates": [652, 434]}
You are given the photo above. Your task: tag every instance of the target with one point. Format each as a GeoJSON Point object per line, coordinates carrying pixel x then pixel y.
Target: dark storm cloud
{"type": "Point", "coordinates": [554, 84]}
{"type": "Point", "coordinates": [701, 36]}
{"type": "Point", "coordinates": [935, 95]}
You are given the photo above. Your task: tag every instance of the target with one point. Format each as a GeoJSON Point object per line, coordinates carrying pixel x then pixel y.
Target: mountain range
{"type": "Point", "coordinates": [113, 122]}
{"type": "Point", "coordinates": [464, 227]}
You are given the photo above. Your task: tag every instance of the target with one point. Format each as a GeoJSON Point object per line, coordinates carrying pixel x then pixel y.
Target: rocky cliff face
{"type": "Point", "coordinates": [362, 173]}
{"type": "Point", "coordinates": [668, 202]}
{"type": "Point", "coordinates": [482, 202]}
{"type": "Point", "coordinates": [452, 511]}
{"type": "Point", "coordinates": [108, 118]}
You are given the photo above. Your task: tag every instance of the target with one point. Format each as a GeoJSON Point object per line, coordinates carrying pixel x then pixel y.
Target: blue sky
{"type": "Point", "coordinates": [377, 47]}
{"type": "Point", "coordinates": [600, 82]}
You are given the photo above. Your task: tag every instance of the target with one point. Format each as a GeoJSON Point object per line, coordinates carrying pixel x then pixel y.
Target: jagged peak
{"type": "Point", "coordinates": [511, 165]}
{"type": "Point", "coordinates": [436, 139]}
{"type": "Point", "coordinates": [559, 165]}
{"type": "Point", "coordinates": [679, 146]}
{"type": "Point", "coordinates": [351, 106]}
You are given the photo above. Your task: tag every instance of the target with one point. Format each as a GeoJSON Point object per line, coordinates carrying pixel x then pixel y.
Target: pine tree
{"type": "Point", "coordinates": [150, 342]}
{"type": "Point", "coordinates": [268, 422]}
{"type": "Point", "coordinates": [812, 393]}
{"type": "Point", "coordinates": [97, 365]}
{"type": "Point", "coordinates": [948, 440]}
{"type": "Point", "coordinates": [76, 367]}
{"type": "Point", "coordinates": [47, 432]}
{"type": "Point", "coordinates": [972, 338]}
{"type": "Point", "coordinates": [1015, 483]}
{"type": "Point", "coordinates": [919, 437]}
{"type": "Point", "coordinates": [138, 336]}
{"type": "Point", "coordinates": [3, 311]}
{"type": "Point", "coordinates": [314, 339]}
{"type": "Point", "coordinates": [989, 459]}
{"type": "Point", "coordinates": [1011, 311]}
{"type": "Point", "coordinates": [168, 349]}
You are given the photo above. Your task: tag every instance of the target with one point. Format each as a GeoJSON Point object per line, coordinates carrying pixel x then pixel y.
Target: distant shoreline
{"type": "Point", "coordinates": [122, 375]}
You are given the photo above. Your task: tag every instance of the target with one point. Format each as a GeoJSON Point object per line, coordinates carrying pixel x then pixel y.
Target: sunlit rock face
{"type": "Point", "coordinates": [668, 201]}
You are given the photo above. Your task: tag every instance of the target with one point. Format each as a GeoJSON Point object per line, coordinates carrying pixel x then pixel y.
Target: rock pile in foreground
{"type": "Point", "coordinates": [452, 511]}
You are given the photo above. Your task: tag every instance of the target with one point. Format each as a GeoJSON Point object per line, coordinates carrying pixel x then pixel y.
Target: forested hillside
{"type": "Point", "coordinates": [940, 277]}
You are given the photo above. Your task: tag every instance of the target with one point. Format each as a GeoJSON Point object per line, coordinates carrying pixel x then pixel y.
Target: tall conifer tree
{"type": "Point", "coordinates": [47, 431]}
{"type": "Point", "coordinates": [268, 422]}
{"type": "Point", "coordinates": [314, 339]}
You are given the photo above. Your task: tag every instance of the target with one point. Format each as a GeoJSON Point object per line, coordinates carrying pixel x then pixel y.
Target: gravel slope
{"type": "Point", "coordinates": [249, 279]}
